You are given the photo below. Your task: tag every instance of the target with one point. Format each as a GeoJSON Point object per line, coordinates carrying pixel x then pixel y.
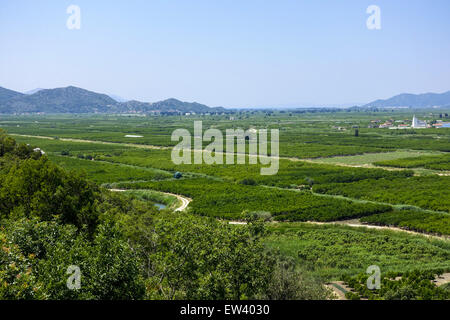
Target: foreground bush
{"type": "Point", "coordinates": [189, 257]}
{"type": "Point", "coordinates": [36, 256]}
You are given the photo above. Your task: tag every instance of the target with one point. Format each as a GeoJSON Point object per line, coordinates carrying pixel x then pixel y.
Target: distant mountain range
{"type": "Point", "coordinates": [76, 100]}
{"type": "Point", "coordinates": [414, 100]}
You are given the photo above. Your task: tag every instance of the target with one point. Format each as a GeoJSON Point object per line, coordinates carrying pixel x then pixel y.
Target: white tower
{"type": "Point", "coordinates": [415, 122]}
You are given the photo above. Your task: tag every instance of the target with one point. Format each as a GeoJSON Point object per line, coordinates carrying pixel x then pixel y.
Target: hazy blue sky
{"type": "Point", "coordinates": [230, 53]}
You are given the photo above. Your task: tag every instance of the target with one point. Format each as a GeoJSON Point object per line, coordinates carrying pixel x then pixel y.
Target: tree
{"type": "Point", "coordinates": [44, 251]}
{"type": "Point", "coordinates": [38, 188]}
{"type": "Point", "coordinates": [288, 283]}
{"type": "Point", "coordinates": [192, 257]}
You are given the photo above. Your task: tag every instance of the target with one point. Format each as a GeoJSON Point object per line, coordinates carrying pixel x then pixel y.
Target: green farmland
{"type": "Point", "coordinates": [380, 178]}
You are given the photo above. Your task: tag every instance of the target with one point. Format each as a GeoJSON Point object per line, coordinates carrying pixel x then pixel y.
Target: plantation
{"type": "Point", "coordinates": [229, 200]}
{"type": "Point", "coordinates": [102, 172]}
{"type": "Point", "coordinates": [428, 192]}
{"type": "Point", "coordinates": [290, 173]}
{"type": "Point", "coordinates": [301, 136]}
{"type": "Point", "coordinates": [441, 162]}
{"type": "Point", "coordinates": [56, 210]}
{"type": "Point", "coordinates": [333, 251]}
{"type": "Point", "coordinates": [413, 285]}
{"type": "Point", "coordinates": [421, 221]}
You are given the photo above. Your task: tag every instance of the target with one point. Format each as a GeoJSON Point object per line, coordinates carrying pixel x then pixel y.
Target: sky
{"type": "Point", "coordinates": [231, 53]}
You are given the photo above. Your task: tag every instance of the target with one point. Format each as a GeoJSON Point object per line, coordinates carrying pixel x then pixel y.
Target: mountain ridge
{"type": "Point", "coordinates": [413, 100]}
{"type": "Point", "coordinates": [77, 100]}
{"type": "Point", "coordinates": [7, 94]}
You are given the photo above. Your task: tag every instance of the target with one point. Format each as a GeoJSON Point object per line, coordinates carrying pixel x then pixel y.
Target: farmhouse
{"type": "Point", "coordinates": [387, 124]}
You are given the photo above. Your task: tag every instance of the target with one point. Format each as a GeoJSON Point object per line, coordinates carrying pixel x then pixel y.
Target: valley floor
{"type": "Point", "coordinates": [317, 205]}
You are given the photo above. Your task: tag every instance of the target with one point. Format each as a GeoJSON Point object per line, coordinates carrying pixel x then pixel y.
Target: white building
{"type": "Point", "coordinates": [416, 123]}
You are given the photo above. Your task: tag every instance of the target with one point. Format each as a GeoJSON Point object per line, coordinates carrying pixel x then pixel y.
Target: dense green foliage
{"type": "Point", "coordinates": [38, 188]}
{"type": "Point", "coordinates": [421, 221]}
{"type": "Point", "coordinates": [414, 285]}
{"type": "Point", "coordinates": [52, 220]}
{"type": "Point", "coordinates": [103, 172]}
{"type": "Point", "coordinates": [67, 220]}
{"type": "Point", "coordinates": [39, 254]}
{"type": "Point", "coordinates": [189, 257]}
{"type": "Point", "coordinates": [290, 173]}
{"type": "Point", "coordinates": [441, 162]}
{"type": "Point", "coordinates": [332, 250]}
{"type": "Point", "coordinates": [429, 192]}
{"type": "Point", "coordinates": [302, 134]}
{"type": "Point", "coordinates": [229, 200]}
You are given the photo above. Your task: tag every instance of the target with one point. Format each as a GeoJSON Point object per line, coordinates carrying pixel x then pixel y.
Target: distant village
{"type": "Point", "coordinates": [415, 123]}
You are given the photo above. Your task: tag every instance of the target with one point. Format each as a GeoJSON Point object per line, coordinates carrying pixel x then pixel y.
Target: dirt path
{"type": "Point", "coordinates": [442, 279]}
{"type": "Point", "coordinates": [358, 224]}
{"type": "Point", "coordinates": [132, 145]}
{"type": "Point", "coordinates": [184, 201]}
{"type": "Point", "coordinates": [355, 223]}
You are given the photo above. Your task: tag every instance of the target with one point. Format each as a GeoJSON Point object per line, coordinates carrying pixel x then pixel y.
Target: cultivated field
{"type": "Point", "coordinates": [382, 177]}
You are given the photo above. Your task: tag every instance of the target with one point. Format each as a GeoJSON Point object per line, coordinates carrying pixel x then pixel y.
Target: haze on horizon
{"type": "Point", "coordinates": [232, 54]}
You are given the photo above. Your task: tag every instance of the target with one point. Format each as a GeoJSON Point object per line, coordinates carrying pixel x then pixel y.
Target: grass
{"type": "Point", "coordinates": [430, 222]}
